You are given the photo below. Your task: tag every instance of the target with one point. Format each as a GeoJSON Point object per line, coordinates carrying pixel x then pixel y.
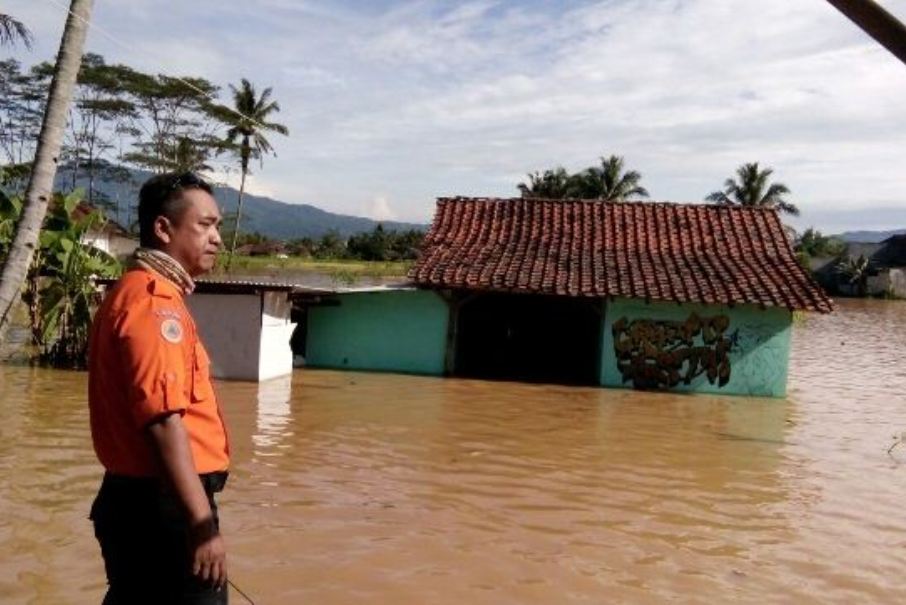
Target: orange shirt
{"type": "Point", "coordinates": [146, 360]}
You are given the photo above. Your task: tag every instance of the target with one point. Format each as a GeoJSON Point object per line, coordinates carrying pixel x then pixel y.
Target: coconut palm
{"type": "Point", "coordinates": [50, 139]}
{"type": "Point", "coordinates": [550, 184]}
{"type": "Point", "coordinates": [752, 187]}
{"type": "Point", "coordinates": [608, 182]}
{"type": "Point", "coordinates": [247, 128]}
{"type": "Point", "coordinates": [13, 30]}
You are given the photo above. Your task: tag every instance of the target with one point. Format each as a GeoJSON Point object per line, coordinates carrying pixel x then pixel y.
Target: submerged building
{"type": "Point", "coordinates": [688, 297]}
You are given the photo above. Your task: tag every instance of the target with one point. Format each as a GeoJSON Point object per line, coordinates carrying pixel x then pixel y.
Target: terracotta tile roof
{"type": "Point", "coordinates": [655, 251]}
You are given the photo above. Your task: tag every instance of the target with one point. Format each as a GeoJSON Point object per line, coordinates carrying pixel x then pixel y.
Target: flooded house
{"type": "Point", "coordinates": [687, 297]}
{"type": "Point", "coordinates": [884, 273]}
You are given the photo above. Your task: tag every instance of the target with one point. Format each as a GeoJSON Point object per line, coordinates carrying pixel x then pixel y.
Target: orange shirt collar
{"type": "Point", "coordinates": [160, 285]}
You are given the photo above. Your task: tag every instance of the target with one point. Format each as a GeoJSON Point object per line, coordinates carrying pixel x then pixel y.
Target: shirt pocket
{"type": "Point", "coordinates": [201, 375]}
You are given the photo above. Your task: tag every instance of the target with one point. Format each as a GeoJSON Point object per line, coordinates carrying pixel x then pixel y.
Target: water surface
{"type": "Point", "coordinates": [349, 487]}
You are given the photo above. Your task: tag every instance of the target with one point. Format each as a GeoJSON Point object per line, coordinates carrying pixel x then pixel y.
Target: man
{"type": "Point", "coordinates": [155, 422]}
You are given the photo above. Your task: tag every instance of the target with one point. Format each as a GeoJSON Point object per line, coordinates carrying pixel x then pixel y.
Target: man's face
{"type": "Point", "coordinates": [193, 237]}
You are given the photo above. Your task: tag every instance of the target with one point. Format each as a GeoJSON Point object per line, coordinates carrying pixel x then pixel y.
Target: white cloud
{"type": "Point", "coordinates": [378, 209]}
{"type": "Point", "coordinates": [254, 184]}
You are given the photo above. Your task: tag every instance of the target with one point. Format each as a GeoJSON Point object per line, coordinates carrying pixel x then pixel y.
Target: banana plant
{"type": "Point", "coordinates": [63, 293]}
{"type": "Point", "coordinates": [10, 209]}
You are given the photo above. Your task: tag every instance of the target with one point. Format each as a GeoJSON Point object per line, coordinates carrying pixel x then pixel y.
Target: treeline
{"type": "Point", "coordinates": [609, 181]}
{"type": "Point", "coordinates": [120, 117]}
{"type": "Point", "coordinates": [376, 245]}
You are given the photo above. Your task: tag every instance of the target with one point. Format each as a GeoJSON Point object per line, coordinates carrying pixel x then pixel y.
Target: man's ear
{"type": "Point", "coordinates": [163, 229]}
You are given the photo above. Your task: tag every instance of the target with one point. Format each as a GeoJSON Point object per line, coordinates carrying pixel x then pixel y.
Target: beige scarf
{"type": "Point", "coordinates": [165, 265]}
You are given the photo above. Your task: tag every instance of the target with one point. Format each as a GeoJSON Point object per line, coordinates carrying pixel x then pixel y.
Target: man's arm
{"type": "Point", "coordinates": [208, 549]}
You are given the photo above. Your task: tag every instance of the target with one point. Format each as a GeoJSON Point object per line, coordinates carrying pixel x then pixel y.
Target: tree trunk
{"type": "Point", "coordinates": [238, 219]}
{"type": "Point", "coordinates": [40, 183]}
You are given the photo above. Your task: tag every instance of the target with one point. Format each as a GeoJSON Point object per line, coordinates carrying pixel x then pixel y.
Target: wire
{"type": "Point", "coordinates": [247, 598]}
{"type": "Point", "coordinates": [122, 44]}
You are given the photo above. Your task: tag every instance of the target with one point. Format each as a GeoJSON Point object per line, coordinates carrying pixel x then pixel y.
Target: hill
{"type": "Point", "coordinates": [270, 217]}
{"type": "Point", "coordinates": [868, 237]}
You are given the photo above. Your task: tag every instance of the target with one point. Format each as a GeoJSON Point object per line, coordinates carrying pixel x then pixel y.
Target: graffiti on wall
{"type": "Point", "coordinates": [660, 354]}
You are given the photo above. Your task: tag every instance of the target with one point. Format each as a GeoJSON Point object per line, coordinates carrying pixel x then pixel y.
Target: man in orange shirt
{"type": "Point", "coordinates": [155, 422]}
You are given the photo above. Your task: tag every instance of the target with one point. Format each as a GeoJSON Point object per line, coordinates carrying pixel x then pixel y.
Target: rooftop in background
{"type": "Point", "coordinates": [296, 289]}
{"type": "Point", "coordinates": [649, 250]}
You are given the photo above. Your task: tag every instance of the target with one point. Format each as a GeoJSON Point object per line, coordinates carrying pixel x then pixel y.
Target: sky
{"type": "Point", "coordinates": [391, 104]}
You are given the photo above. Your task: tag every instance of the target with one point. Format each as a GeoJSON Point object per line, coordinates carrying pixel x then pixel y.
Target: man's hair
{"type": "Point", "coordinates": [160, 196]}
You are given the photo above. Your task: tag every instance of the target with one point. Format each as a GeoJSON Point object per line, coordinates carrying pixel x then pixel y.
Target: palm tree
{"type": "Point", "coordinates": [12, 30]}
{"type": "Point", "coordinates": [248, 123]}
{"type": "Point", "coordinates": [551, 184]}
{"type": "Point", "coordinates": [752, 189]}
{"type": "Point", "coordinates": [608, 182]}
{"type": "Point", "coordinates": [40, 182]}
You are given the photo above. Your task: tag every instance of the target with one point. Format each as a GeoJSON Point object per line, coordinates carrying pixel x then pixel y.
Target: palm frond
{"type": "Point", "coordinates": [13, 30]}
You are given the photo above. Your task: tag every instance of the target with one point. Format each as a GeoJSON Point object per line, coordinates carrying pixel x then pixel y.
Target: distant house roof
{"type": "Point", "coordinates": [262, 249]}
{"type": "Point", "coordinates": [891, 252]}
{"type": "Point", "coordinates": [109, 227]}
{"type": "Point", "coordinates": [655, 251]}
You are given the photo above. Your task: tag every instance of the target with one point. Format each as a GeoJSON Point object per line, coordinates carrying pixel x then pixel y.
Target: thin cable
{"type": "Point", "coordinates": [122, 44]}
{"type": "Point", "coordinates": [236, 588]}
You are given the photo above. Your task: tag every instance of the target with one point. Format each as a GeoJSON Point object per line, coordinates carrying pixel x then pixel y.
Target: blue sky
{"type": "Point", "coordinates": [392, 104]}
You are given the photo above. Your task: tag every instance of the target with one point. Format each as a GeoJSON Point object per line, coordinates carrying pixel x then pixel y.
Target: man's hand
{"type": "Point", "coordinates": [206, 547]}
{"type": "Point", "coordinates": [208, 552]}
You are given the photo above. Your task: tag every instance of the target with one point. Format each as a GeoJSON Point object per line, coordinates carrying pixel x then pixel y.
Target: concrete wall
{"type": "Point", "coordinates": [897, 282]}
{"type": "Point", "coordinates": [890, 282]}
{"type": "Point", "coordinates": [399, 331]}
{"type": "Point", "coordinates": [275, 354]}
{"type": "Point", "coordinates": [230, 327]}
{"type": "Point", "coordinates": [114, 245]}
{"type": "Point", "coordinates": [748, 352]}
{"type": "Point", "coordinates": [246, 335]}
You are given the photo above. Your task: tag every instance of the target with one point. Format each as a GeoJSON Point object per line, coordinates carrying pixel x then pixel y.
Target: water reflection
{"type": "Point", "coordinates": [273, 416]}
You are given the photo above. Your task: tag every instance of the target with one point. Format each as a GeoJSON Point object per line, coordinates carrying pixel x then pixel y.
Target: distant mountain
{"type": "Point", "coordinates": [868, 237]}
{"type": "Point", "coordinates": [270, 217]}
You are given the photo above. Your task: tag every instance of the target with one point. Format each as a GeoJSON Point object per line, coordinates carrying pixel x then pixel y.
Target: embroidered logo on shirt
{"type": "Point", "coordinates": [171, 330]}
{"type": "Point", "coordinates": [168, 313]}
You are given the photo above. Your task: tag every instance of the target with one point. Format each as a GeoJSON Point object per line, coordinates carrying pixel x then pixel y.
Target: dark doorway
{"type": "Point", "coordinates": [530, 338]}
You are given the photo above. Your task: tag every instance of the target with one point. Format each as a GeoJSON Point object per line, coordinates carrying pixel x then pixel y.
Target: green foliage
{"type": "Point", "coordinates": [10, 209]}
{"type": "Point", "coordinates": [552, 184]}
{"type": "Point", "coordinates": [377, 245]}
{"type": "Point", "coordinates": [330, 246]}
{"type": "Point", "coordinates": [60, 292]}
{"type": "Point", "coordinates": [814, 245]}
{"type": "Point", "coordinates": [856, 271]}
{"type": "Point", "coordinates": [607, 182]}
{"type": "Point", "coordinates": [247, 125]}
{"type": "Point", "coordinates": [22, 97]}
{"type": "Point", "coordinates": [752, 187]}
{"type": "Point", "coordinates": [380, 245]}
{"type": "Point", "coordinates": [12, 30]}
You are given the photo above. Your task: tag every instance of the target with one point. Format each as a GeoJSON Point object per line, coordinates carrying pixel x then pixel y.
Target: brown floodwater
{"type": "Point", "coordinates": [354, 487]}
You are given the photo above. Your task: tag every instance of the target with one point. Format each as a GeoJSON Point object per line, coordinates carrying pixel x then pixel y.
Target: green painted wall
{"type": "Point", "coordinates": [758, 356]}
{"type": "Point", "coordinates": [398, 331]}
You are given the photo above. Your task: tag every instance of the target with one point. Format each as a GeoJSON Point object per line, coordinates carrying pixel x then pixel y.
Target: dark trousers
{"type": "Point", "coordinates": [143, 533]}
